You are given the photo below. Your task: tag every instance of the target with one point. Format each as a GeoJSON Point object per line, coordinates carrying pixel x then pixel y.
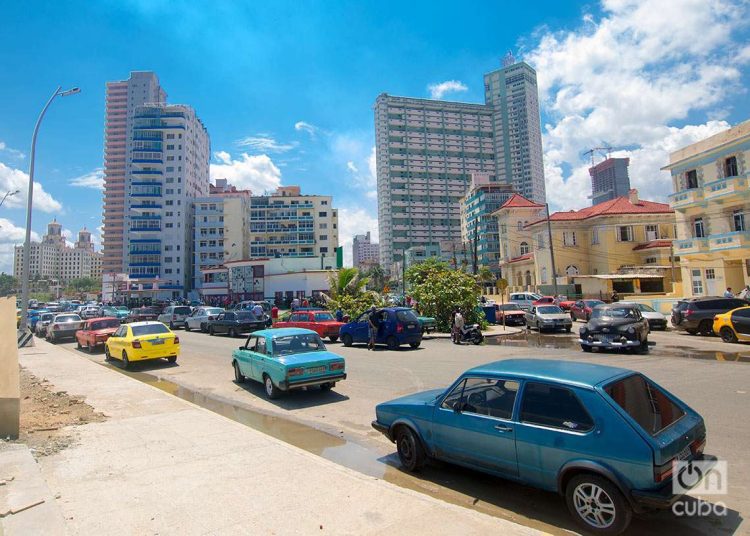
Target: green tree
{"type": "Point", "coordinates": [8, 284]}
{"type": "Point", "coordinates": [485, 276]}
{"type": "Point", "coordinates": [377, 278]}
{"type": "Point", "coordinates": [438, 290]}
{"type": "Point", "coordinates": [347, 291]}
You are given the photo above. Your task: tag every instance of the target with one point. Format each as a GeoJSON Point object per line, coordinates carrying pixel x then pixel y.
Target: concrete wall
{"type": "Point", "coordinates": [10, 390]}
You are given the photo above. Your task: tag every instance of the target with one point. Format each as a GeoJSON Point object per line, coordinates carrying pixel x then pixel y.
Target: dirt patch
{"type": "Point", "coordinates": [47, 416]}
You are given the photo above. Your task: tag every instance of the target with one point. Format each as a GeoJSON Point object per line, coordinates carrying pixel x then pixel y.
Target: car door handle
{"type": "Point", "coordinates": [501, 428]}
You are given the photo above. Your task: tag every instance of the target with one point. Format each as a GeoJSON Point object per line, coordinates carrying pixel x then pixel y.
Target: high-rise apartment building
{"type": "Point", "coordinates": [122, 99]}
{"type": "Point", "coordinates": [168, 169]}
{"type": "Point", "coordinates": [609, 180]}
{"type": "Point", "coordinates": [365, 253]}
{"type": "Point", "coordinates": [427, 150]}
{"type": "Point", "coordinates": [53, 259]}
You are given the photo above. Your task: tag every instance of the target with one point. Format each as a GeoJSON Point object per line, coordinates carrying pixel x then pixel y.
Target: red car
{"type": "Point", "coordinates": [565, 305]}
{"type": "Point", "coordinates": [581, 310]}
{"type": "Point", "coordinates": [512, 313]}
{"type": "Point", "coordinates": [322, 322]}
{"type": "Point", "coordinates": [545, 300]}
{"type": "Point", "coordinates": [96, 331]}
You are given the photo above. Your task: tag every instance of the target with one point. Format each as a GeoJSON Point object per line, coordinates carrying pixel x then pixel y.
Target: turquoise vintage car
{"type": "Point", "coordinates": [285, 359]}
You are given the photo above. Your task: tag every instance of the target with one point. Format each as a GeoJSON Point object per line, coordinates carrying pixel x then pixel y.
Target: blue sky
{"type": "Point", "coordinates": [286, 88]}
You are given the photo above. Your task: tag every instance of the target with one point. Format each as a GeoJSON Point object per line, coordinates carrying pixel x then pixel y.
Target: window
{"type": "Point", "coordinates": [650, 260]}
{"type": "Point", "coordinates": [524, 248]}
{"type": "Point", "coordinates": [323, 237]}
{"type": "Point", "coordinates": [595, 235]}
{"type": "Point", "coordinates": [520, 225]}
{"type": "Point", "coordinates": [569, 238]}
{"type": "Point", "coordinates": [698, 229]}
{"type": "Point", "coordinates": [652, 232]}
{"type": "Point", "coordinates": [483, 396]}
{"type": "Point", "coordinates": [572, 270]}
{"type": "Point", "coordinates": [323, 214]}
{"type": "Point", "coordinates": [544, 275]}
{"type": "Point", "coordinates": [710, 273]}
{"type": "Point", "coordinates": [738, 217]}
{"type": "Point", "coordinates": [691, 179]}
{"type": "Point", "coordinates": [697, 282]}
{"type": "Point", "coordinates": [625, 233]}
{"type": "Point", "coordinates": [648, 405]}
{"type": "Point", "coordinates": [730, 167]}
{"type": "Point", "coordinates": [553, 406]}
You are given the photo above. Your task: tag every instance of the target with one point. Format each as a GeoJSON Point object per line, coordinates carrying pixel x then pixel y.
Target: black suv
{"type": "Point", "coordinates": [696, 315]}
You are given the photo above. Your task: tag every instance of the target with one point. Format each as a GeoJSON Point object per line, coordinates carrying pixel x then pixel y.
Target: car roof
{"type": "Point", "coordinates": [282, 332]}
{"type": "Point", "coordinates": [101, 318]}
{"type": "Point", "coordinates": [565, 372]}
{"type": "Point", "coordinates": [143, 323]}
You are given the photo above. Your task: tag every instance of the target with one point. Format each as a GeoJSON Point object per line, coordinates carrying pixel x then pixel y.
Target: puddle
{"type": "Point", "coordinates": [563, 341]}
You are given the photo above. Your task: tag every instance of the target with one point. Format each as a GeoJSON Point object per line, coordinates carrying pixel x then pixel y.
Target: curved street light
{"type": "Point", "coordinates": [27, 243]}
{"type": "Point", "coordinates": [7, 195]}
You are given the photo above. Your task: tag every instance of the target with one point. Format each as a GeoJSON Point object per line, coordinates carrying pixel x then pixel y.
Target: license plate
{"type": "Point", "coordinates": [605, 338]}
{"type": "Point", "coordinates": [684, 454]}
{"type": "Point", "coordinates": [411, 326]}
{"type": "Point", "coordinates": [315, 370]}
{"type": "Point", "coordinates": [157, 341]}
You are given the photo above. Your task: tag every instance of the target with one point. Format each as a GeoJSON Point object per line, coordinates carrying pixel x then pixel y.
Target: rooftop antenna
{"type": "Point", "coordinates": [508, 59]}
{"type": "Point", "coordinates": [605, 151]}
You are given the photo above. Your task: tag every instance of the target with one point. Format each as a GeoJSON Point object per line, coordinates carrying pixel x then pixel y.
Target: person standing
{"type": "Point", "coordinates": [339, 315]}
{"type": "Point", "coordinates": [374, 324]}
{"type": "Point", "coordinates": [258, 310]}
{"type": "Point", "coordinates": [615, 296]}
{"type": "Point", "coordinates": [458, 324]}
{"type": "Point", "coordinates": [305, 303]}
{"type": "Point", "coordinates": [274, 313]}
{"type": "Point", "coordinates": [728, 293]}
{"type": "Point", "coordinates": [295, 304]}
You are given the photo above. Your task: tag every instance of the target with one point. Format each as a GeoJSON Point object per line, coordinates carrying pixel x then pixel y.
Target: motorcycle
{"type": "Point", "coordinates": [471, 334]}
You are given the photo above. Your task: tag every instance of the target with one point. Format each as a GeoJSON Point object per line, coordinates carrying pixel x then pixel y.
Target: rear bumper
{"type": "Point", "coordinates": [663, 498]}
{"type": "Point", "coordinates": [286, 385]}
{"type": "Point", "coordinates": [60, 334]}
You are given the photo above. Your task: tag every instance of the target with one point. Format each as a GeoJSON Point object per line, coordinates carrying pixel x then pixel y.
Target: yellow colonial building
{"type": "Point", "coordinates": [711, 200]}
{"type": "Point", "coordinates": [622, 244]}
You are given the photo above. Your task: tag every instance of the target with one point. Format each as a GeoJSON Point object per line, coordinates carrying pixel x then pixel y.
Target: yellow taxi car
{"type": "Point", "coordinates": [734, 325]}
{"type": "Point", "coordinates": [141, 341]}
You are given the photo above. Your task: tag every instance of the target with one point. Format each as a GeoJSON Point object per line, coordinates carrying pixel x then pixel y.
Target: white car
{"type": "Point", "coordinates": [174, 316]}
{"type": "Point", "coordinates": [524, 299]}
{"type": "Point", "coordinates": [656, 320]}
{"type": "Point", "coordinates": [199, 318]}
{"type": "Point", "coordinates": [548, 318]}
{"type": "Point", "coordinates": [90, 311]}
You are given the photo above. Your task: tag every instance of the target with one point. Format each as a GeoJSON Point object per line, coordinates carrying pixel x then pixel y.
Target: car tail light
{"type": "Point", "coordinates": [399, 328]}
{"type": "Point", "coordinates": [176, 340]}
{"type": "Point", "coordinates": [337, 366]}
{"type": "Point", "coordinates": [296, 371]}
{"type": "Point", "coordinates": [688, 312]}
{"type": "Point", "coordinates": [663, 472]}
{"type": "Point", "coordinates": [136, 344]}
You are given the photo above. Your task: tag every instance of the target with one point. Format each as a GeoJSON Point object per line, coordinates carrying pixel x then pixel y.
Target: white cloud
{"type": "Point", "coordinates": [12, 179]}
{"type": "Point", "coordinates": [264, 143]}
{"type": "Point", "coordinates": [93, 179]}
{"type": "Point", "coordinates": [351, 167]}
{"type": "Point", "coordinates": [352, 221]}
{"type": "Point", "coordinates": [10, 236]}
{"type": "Point", "coordinates": [255, 172]}
{"type": "Point", "coordinates": [12, 152]}
{"type": "Point", "coordinates": [303, 126]}
{"type": "Point", "coordinates": [629, 80]}
{"type": "Point", "coordinates": [439, 90]}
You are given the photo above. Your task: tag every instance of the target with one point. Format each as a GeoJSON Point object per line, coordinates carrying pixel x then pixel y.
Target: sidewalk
{"type": "Point", "coordinates": [159, 464]}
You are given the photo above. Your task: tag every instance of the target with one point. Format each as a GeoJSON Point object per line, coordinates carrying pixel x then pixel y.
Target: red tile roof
{"type": "Point", "coordinates": [653, 244]}
{"type": "Point", "coordinates": [619, 205]}
{"type": "Point", "coordinates": [519, 201]}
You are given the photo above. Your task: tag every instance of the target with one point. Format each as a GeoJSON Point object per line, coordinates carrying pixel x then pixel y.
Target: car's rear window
{"type": "Point", "coordinates": [67, 318]}
{"type": "Point", "coordinates": [147, 311]}
{"type": "Point", "coordinates": [149, 329]}
{"type": "Point", "coordinates": [181, 311]}
{"type": "Point", "coordinates": [103, 324]}
{"type": "Point", "coordinates": [323, 317]}
{"type": "Point", "coordinates": [549, 310]}
{"type": "Point", "coordinates": [648, 405]}
{"type": "Point", "coordinates": [509, 307]}
{"type": "Point", "coordinates": [406, 316]}
{"type": "Point", "coordinates": [246, 317]}
{"type": "Point", "coordinates": [613, 312]}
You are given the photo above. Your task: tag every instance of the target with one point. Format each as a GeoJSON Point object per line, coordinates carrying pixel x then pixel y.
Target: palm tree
{"type": "Point", "coordinates": [376, 274]}
{"type": "Point", "coordinates": [346, 281]}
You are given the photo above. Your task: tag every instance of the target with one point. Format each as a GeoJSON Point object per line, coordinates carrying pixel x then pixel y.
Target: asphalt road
{"type": "Point", "coordinates": [709, 375]}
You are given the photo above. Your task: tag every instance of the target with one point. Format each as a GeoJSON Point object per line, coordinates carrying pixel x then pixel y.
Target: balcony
{"type": "Point", "coordinates": [733, 240]}
{"type": "Point", "coordinates": [147, 206]}
{"type": "Point", "coordinates": [147, 172]}
{"type": "Point", "coordinates": [691, 246]}
{"type": "Point", "coordinates": [729, 186]}
{"type": "Point", "coordinates": [686, 198]}
{"type": "Point", "coordinates": [145, 228]}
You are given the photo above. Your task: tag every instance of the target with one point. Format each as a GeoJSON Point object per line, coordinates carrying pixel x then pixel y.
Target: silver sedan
{"type": "Point", "coordinates": [548, 318]}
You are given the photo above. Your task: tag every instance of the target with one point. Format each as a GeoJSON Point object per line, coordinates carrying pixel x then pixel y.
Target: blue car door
{"type": "Point", "coordinates": [474, 425]}
{"type": "Point", "coordinates": [361, 332]}
{"type": "Point", "coordinates": [260, 358]}
{"type": "Point", "coordinates": [245, 357]}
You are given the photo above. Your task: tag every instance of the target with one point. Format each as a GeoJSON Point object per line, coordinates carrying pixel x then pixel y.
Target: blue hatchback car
{"type": "Point", "coordinates": [606, 438]}
{"type": "Point", "coordinates": [398, 325]}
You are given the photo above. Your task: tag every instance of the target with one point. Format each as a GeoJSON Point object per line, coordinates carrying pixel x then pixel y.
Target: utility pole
{"type": "Point", "coordinates": [671, 260]}
{"type": "Point", "coordinates": [551, 249]}
{"type": "Point", "coordinates": [474, 251]}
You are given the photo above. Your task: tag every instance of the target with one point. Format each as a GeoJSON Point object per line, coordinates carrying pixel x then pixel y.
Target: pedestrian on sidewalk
{"type": "Point", "coordinates": [339, 315]}
{"type": "Point", "coordinates": [374, 324]}
{"type": "Point", "coordinates": [458, 323]}
{"type": "Point", "coordinates": [274, 313]}
{"type": "Point", "coordinates": [728, 293]}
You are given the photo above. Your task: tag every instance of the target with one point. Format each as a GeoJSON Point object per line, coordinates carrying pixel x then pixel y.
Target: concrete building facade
{"type": "Point", "coordinates": [53, 259]}
{"type": "Point", "coordinates": [426, 151]}
{"type": "Point", "coordinates": [122, 99]}
{"type": "Point", "coordinates": [168, 170]}
{"type": "Point", "coordinates": [712, 203]}
{"type": "Point", "coordinates": [365, 253]}
{"type": "Point", "coordinates": [609, 180]}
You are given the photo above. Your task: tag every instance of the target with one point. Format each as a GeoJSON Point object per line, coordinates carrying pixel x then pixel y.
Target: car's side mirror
{"type": "Point", "coordinates": [242, 348]}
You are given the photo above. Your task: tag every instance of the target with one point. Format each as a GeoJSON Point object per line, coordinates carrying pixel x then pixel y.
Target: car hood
{"type": "Point", "coordinates": [424, 397]}
{"type": "Point", "coordinates": [600, 323]}
{"type": "Point", "coordinates": [309, 357]}
{"type": "Point", "coordinates": [555, 316]}
{"type": "Point", "coordinates": [648, 315]}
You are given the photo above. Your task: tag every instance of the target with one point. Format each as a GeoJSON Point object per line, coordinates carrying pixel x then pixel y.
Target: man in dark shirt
{"type": "Point", "coordinates": [374, 323]}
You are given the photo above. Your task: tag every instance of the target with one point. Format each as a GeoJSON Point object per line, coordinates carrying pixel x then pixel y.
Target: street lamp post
{"type": "Point", "coordinates": [27, 243]}
{"type": "Point", "coordinates": [7, 195]}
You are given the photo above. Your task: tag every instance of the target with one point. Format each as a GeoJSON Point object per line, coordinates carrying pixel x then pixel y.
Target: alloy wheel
{"type": "Point", "coordinates": [594, 505]}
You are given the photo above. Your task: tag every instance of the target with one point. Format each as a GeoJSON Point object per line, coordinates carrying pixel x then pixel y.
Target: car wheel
{"type": "Point", "coordinates": [728, 334]}
{"type": "Point", "coordinates": [333, 338]}
{"type": "Point", "coordinates": [238, 376]}
{"type": "Point", "coordinates": [171, 326]}
{"type": "Point", "coordinates": [347, 340]}
{"type": "Point", "coordinates": [415, 345]}
{"type": "Point", "coordinates": [586, 348]}
{"type": "Point", "coordinates": [691, 331]}
{"type": "Point", "coordinates": [90, 348]}
{"type": "Point", "coordinates": [232, 333]}
{"type": "Point", "coordinates": [107, 356]}
{"type": "Point", "coordinates": [392, 343]}
{"type": "Point", "coordinates": [643, 348]}
{"type": "Point", "coordinates": [569, 329]}
{"type": "Point", "coordinates": [326, 386]}
{"type": "Point", "coordinates": [125, 360]}
{"type": "Point", "coordinates": [203, 327]}
{"type": "Point", "coordinates": [410, 450]}
{"type": "Point", "coordinates": [172, 359]}
{"type": "Point", "coordinates": [597, 505]}
{"type": "Point", "coordinates": [271, 390]}
{"type": "Point", "coordinates": [705, 328]}
{"type": "Point", "coordinates": [211, 331]}
{"type": "Point", "coordinates": [572, 317]}
{"type": "Point", "coordinates": [187, 327]}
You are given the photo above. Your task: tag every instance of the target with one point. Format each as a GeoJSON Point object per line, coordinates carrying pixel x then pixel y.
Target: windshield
{"type": "Point", "coordinates": [103, 324]}
{"type": "Point", "coordinates": [592, 303]}
{"type": "Point", "coordinates": [121, 308]}
{"type": "Point", "coordinates": [645, 308]}
{"type": "Point", "coordinates": [67, 318]}
{"type": "Point", "coordinates": [246, 317]}
{"type": "Point", "coordinates": [181, 310]}
{"type": "Point", "coordinates": [549, 310]}
{"type": "Point", "coordinates": [297, 344]}
{"type": "Point", "coordinates": [213, 311]}
{"type": "Point", "coordinates": [510, 307]}
{"type": "Point", "coordinates": [323, 317]}
{"type": "Point", "coordinates": [613, 312]}
{"type": "Point", "coordinates": [407, 316]}
{"type": "Point", "coordinates": [149, 329]}
{"type": "Point", "coordinates": [146, 311]}
{"type": "Point", "coordinates": [46, 317]}
{"type": "Point", "coordinates": [648, 405]}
